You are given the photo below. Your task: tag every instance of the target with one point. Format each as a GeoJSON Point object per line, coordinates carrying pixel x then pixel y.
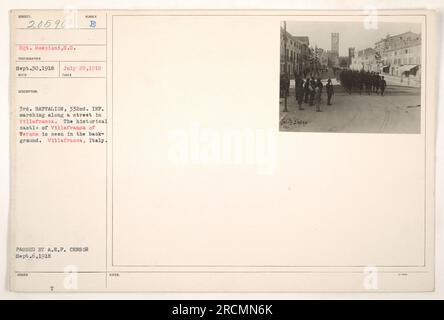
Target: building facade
{"type": "Point", "coordinates": [351, 55]}
{"type": "Point", "coordinates": [397, 57]}
{"type": "Point", "coordinates": [365, 60]}
{"type": "Point", "coordinates": [335, 42]}
{"type": "Point", "coordinates": [295, 54]}
{"type": "Point", "coordinates": [400, 55]}
{"type": "Point", "coordinates": [344, 62]}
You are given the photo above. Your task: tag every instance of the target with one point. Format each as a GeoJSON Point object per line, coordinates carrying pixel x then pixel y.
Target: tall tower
{"type": "Point", "coordinates": [351, 55]}
{"type": "Point", "coordinates": [335, 42]}
{"type": "Point", "coordinates": [351, 52]}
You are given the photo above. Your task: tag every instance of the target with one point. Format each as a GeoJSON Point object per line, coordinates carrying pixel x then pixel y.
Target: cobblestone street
{"type": "Point", "coordinates": [398, 111]}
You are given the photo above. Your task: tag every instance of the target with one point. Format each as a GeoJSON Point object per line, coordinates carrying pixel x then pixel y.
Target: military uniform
{"type": "Point", "coordinates": [382, 85]}
{"type": "Point", "coordinates": [378, 82]}
{"type": "Point", "coordinates": [329, 88]}
{"type": "Point", "coordinates": [299, 90]}
{"type": "Point", "coordinates": [312, 91]}
{"type": "Point", "coordinates": [306, 90]}
{"type": "Point", "coordinates": [318, 93]}
{"type": "Point", "coordinates": [284, 86]}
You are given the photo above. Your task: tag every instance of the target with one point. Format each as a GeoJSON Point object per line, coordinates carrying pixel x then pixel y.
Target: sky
{"type": "Point", "coordinates": [351, 34]}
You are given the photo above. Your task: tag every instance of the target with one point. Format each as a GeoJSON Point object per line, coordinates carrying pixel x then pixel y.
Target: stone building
{"type": "Point", "coordinates": [400, 55]}
{"type": "Point", "coordinates": [365, 60]}
{"type": "Point", "coordinates": [295, 55]}
{"type": "Point", "coordinates": [335, 42]}
{"type": "Point", "coordinates": [351, 55]}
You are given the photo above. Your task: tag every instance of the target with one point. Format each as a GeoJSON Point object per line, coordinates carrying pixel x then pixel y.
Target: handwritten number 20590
{"type": "Point", "coordinates": [45, 24]}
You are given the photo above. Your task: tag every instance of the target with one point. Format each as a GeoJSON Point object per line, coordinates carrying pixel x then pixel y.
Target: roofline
{"type": "Point", "coordinates": [397, 35]}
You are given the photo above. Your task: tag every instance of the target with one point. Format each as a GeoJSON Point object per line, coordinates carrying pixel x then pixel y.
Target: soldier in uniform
{"type": "Point", "coordinates": [318, 95]}
{"type": "Point", "coordinates": [361, 81]}
{"type": "Point", "coordinates": [348, 81]}
{"type": "Point", "coordinates": [342, 79]}
{"type": "Point", "coordinates": [312, 91]}
{"type": "Point", "coordinates": [299, 89]}
{"type": "Point", "coordinates": [284, 85]}
{"type": "Point", "coordinates": [377, 82]}
{"type": "Point", "coordinates": [368, 83]}
{"type": "Point", "coordinates": [306, 89]}
{"type": "Point", "coordinates": [329, 88]}
{"type": "Point", "coordinates": [382, 85]}
{"type": "Point", "coordinates": [372, 82]}
{"type": "Point", "coordinates": [320, 85]}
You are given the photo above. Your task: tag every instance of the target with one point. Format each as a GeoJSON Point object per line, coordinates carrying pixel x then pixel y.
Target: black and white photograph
{"type": "Point", "coordinates": [350, 77]}
{"type": "Point", "coordinates": [269, 151]}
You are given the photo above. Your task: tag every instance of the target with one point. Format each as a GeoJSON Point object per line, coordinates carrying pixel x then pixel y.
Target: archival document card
{"type": "Point", "coordinates": [222, 151]}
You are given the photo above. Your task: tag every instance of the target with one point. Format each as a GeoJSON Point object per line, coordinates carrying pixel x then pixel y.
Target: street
{"type": "Point", "coordinates": [398, 111]}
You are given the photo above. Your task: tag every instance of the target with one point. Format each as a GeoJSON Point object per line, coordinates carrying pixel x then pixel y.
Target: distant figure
{"type": "Point", "coordinates": [306, 89]}
{"type": "Point", "coordinates": [299, 88]}
{"type": "Point", "coordinates": [382, 85]}
{"type": "Point", "coordinates": [361, 81]}
{"type": "Point", "coordinates": [312, 91]}
{"type": "Point", "coordinates": [329, 88]}
{"type": "Point", "coordinates": [368, 83]}
{"type": "Point", "coordinates": [373, 81]}
{"type": "Point", "coordinates": [318, 94]}
{"type": "Point", "coordinates": [377, 82]}
{"type": "Point", "coordinates": [284, 85]}
{"type": "Point", "coordinates": [320, 85]}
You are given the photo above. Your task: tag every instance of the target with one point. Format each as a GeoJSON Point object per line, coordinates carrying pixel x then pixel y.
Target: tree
{"type": "Point", "coordinates": [343, 63]}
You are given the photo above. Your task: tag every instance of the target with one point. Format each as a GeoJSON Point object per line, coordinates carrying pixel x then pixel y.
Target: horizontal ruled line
{"type": "Point", "coordinates": [60, 77]}
{"type": "Point", "coordinates": [62, 29]}
{"type": "Point", "coordinates": [34, 61]}
{"type": "Point", "coordinates": [60, 44]}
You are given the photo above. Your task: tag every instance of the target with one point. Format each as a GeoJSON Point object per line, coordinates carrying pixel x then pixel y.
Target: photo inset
{"type": "Point", "coordinates": [346, 77]}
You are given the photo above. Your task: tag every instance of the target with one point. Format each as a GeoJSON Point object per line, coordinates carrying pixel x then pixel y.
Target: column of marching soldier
{"type": "Point", "coordinates": [309, 90]}
{"type": "Point", "coordinates": [369, 82]}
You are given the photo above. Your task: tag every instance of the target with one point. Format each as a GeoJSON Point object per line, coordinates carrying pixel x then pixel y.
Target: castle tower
{"type": "Point", "coordinates": [335, 42]}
